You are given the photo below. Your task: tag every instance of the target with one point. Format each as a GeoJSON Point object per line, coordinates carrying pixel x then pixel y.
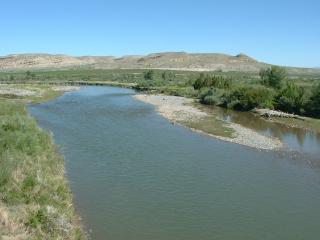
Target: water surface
{"type": "Point", "coordinates": [295, 139]}
{"type": "Point", "coordinates": [136, 176]}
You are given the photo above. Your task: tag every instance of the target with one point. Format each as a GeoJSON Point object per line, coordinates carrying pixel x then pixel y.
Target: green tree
{"type": "Point", "coordinates": [291, 99]}
{"type": "Point", "coordinates": [313, 105]}
{"type": "Point", "coordinates": [148, 75]}
{"type": "Point", "coordinates": [206, 81]}
{"type": "Point", "coordinates": [247, 98]}
{"type": "Point", "coordinates": [273, 77]}
{"type": "Point", "coordinates": [199, 83]}
{"type": "Point", "coordinates": [28, 74]}
{"type": "Point", "coordinates": [164, 76]}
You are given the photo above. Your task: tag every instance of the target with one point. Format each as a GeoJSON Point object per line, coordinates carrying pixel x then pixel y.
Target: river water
{"type": "Point", "coordinates": [136, 176]}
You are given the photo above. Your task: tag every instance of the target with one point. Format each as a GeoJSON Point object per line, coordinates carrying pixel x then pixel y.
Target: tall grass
{"type": "Point", "coordinates": [35, 200]}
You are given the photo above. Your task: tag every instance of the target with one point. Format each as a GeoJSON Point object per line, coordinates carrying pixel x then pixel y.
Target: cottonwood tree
{"type": "Point", "coordinates": [273, 77]}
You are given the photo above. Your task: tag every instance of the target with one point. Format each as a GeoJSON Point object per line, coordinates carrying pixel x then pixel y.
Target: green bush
{"type": "Point", "coordinates": [179, 91]}
{"type": "Point", "coordinates": [313, 104]}
{"type": "Point", "coordinates": [146, 85]}
{"type": "Point", "coordinates": [206, 81]}
{"type": "Point", "coordinates": [247, 98]}
{"type": "Point", "coordinates": [148, 75]}
{"type": "Point", "coordinates": [291, 98]}
{"type": "Point", "coordinates": [273, 77]}
{"type": "Point", "coordinates": [211, 100]}
{"type": "Point", "coordinates": [211, 96]}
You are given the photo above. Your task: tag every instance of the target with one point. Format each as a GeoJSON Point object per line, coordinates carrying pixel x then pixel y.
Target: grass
{"type": "Point", "coordinates": [177, 83]}
{"type": "Point", "coordinates": [42, 93]}
{"type": "Point", "coordinates": [46, 95]}
{"type": "Point", "coordinates": [211, 125]}
{"type": "Point", "coordinates": [35, 199]}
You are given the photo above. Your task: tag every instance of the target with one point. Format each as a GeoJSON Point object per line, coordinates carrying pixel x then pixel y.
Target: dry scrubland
{"type": "Point", "coordinates": [166, 61]}
{"type": "Point", "coordinates": [170, 60]}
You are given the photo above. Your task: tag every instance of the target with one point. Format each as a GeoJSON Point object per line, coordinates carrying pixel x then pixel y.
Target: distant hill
{"type": "Point", "coordinates": [168, 60]}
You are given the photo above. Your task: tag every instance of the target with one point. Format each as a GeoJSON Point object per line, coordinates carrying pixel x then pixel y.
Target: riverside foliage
{"type": "Point", "coordinates": [273, 91]}
{"type": "Point", "coordinates": [273, 87]}
{"type": "Point", "coordinates": [35, 200]}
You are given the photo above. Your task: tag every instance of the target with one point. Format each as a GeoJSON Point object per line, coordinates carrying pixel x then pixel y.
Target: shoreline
{"type": "Point", "coordinates": [179, 110]}
{"type": "Point", "coordinates": [46, 207]}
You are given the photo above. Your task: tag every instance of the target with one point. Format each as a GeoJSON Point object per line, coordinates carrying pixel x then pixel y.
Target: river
{"type": "Point", "coordinates": [136, 176]}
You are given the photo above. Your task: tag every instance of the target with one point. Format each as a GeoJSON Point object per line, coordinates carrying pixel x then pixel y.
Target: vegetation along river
{"type": "Point", "coordinates": [136, 176]}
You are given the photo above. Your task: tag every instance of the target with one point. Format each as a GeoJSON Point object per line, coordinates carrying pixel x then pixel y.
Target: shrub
{"type": "Point", "coordinates": [212, 82]}
{"type": "Point", "coordinates": [148, 75]}
{"type": "Point", "coordinates": [180, 91]}
{"type": "Point", "coordinates": [211, 96]}
{"type": "Point", "coordinates": [211, 100]}
{"type": "Point", "coordinates": [247, 98]}
{"type": "Point", "coordinates": [313, 104]}
{"type": "Point", "coordinates": [291, 98]}
{"type": "Point", "coordinates": [273, 77]}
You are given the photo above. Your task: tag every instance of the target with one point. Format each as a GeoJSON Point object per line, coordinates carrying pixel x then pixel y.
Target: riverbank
{"type": "Point", "coordinates": [35, 198]}
{"type": "Point", "coordinates": [33, 93]}
{"type": "Point", "coordinates": [289, 120]}
{"type": "Point", "coordinates": [180, 110]}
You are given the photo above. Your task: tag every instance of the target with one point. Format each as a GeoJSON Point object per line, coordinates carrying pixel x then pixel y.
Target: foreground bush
{"type": "Point", "coordinates": [35, 200]}
{"type": "Point", "coordinates": [313, 105]}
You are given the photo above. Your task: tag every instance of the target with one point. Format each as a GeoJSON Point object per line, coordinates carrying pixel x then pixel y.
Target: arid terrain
{"type": "Point", "coordinates": [169, 60]}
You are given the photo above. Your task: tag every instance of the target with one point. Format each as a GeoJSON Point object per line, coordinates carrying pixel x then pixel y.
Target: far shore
{"type": "Point", "coordinates": [180, 110]}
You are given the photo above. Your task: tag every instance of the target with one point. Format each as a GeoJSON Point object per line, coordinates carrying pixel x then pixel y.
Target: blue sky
{"type": "Point", "coordinates": [274, 31]}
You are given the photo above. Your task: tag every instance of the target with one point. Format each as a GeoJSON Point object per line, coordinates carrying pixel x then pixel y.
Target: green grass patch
{"type": "Point", "coordinates": [34, 196]}
{"type": "Point", "coordinates": [211, 125]}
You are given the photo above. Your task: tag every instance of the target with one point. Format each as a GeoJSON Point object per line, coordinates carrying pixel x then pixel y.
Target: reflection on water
{"type": "Point", "coordinates": [136, 176]}
{"type": "Point", "coordinates": [295, 138]}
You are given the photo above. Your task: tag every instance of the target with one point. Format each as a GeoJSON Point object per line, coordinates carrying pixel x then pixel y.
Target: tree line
{"type": "Point", "coordinates": [273, 91]}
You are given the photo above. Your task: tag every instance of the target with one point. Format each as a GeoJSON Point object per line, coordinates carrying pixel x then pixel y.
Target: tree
{"type": "Point", "coordinates": [206, 81]}
{"type": "Point", "coordinates": [247, 98]}
{"type": "Point", "coordinates": [148, 75]}
{"type": "Point", "coordinates": [291, 99]}
{"type": "Point", "coordinates": [199, 83]}
{"type": "Point", "coordinates": [273, 77]}
{"type": "Point", "coordinates": [30, 75]}
{"type": "Point", "coordinates": [313, 105]}
{"type": "Point", "coordinates": [164, 76]}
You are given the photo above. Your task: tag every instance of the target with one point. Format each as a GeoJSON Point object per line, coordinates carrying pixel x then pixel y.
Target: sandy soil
{"type": "Point", "coordinates": [179, 109]}
{"type": "Point", "coordinates": [16, 91]}
{"type": "Point", "coordinates": [66, 88]}
{"type": "Point", "coordinates": [24, 91]}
